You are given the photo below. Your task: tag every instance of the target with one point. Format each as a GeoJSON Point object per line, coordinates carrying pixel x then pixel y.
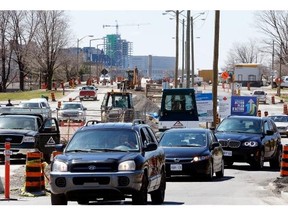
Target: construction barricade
{"type": "Point", "coordinates": [34, 180]}
{"type": "Point", "coordinates": [284, 162]}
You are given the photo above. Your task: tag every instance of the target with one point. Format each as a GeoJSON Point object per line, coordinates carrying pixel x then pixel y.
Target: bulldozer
{"type": "Point", "coordinates": [117, 106]}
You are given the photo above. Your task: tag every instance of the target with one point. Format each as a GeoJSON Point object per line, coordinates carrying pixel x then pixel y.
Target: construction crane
{"type": "Point", "coordinates": [117, 26]}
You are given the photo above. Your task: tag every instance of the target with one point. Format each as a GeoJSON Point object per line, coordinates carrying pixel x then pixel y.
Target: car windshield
{"type": "Point", "coordinates": [183, 139]}
{"type": "Point", "coordinates": [240, 125]}
{"type": "Point", "coordinates": [259, 93]}
{"type": "Point", "coordinates": [71, 106]}
{"type": "Point", "coordinates": [279, 118]}
{"type": "Point", "coordinates": [104, 140]}
{"type": "Point", "coordinates": [19, 123]}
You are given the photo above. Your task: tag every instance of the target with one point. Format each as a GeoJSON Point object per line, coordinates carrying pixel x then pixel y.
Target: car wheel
{"type": "Point", "coordinates": [58, 199]}
{"type": "Point", "coordinates": [220, 173]}
{"type": "Point", "coordinates": [209, 175]}
{"type": "Point", "coordinates": [259, 161]}
{"type": "Point", "coordinates": [276, 161]}
{"type": "Point", "coordinates": [140, 197]}
{"type": "Point", "coordinates": [157, 196]}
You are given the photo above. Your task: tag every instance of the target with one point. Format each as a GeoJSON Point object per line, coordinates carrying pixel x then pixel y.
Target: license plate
{"type": "Point", "coordinates": [176, 167]}
{"type": "Point", "coordinates": [227, 153]}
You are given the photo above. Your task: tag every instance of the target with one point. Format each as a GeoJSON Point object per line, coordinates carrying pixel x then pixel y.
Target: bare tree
{"type": "Point", "coordinates": [274, 25]}
{"type": "Point", "coordinates": [244, 53]}
{"type": "Point", "coordinates": [6, 51]}
{"type": "Point", "coordinates": [24, 25]}
{"type": "Point", "coordinates": [51, 37]}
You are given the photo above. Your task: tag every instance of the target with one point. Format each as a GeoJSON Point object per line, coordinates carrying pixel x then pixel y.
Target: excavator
{"type": "Point", "coordinates": [117, 106]}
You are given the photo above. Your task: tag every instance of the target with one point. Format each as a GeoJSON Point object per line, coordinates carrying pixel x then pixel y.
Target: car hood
{"type": "Point", "coordinates": [238, 136]}
{"type": "Point", "coordinates": [17, 132]}
{"type": "Point", "coordinates": [183, 152]}
{"type": "Point", "coordinates": [98, 156]}
{"type": "Point", "coordinates": [281, 124]}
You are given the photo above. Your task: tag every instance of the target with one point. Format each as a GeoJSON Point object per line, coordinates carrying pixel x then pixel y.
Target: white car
{"type": "Point", "coordinates": [281, 122]}
{"type": "Point", "coordinates": [261, 95]}
{"type": "Point", "coordinates": [105, 78]}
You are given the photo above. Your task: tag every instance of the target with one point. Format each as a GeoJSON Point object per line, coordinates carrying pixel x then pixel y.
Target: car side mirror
{"type": "Point", "coordinates": [150, 147]}
{"type": "Point", "coordinates": [215, 145]}
{"type": "Point", "coordinates": [269, 132]}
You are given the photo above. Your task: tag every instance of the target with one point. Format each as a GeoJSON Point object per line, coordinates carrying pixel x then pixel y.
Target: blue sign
{"type": "Point", "coordinates": [244, 105]}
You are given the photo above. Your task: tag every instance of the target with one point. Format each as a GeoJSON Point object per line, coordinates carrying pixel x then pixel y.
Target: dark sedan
{"type": "Point", "coordinates": [250, 139]}
{"type": "Point", "coordinates": [192, 151]}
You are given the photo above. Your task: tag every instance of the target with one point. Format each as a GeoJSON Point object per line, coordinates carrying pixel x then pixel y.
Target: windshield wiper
{"type": "Point", "coordinates": [78, 150]}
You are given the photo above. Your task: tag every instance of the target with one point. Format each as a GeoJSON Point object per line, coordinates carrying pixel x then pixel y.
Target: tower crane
{"type": "Point", "coordinates": [117, 26]}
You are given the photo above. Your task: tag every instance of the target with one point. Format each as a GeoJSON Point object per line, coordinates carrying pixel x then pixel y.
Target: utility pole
{"type": "Point", "coordinates": [215, 66]}
{"type": "Point", "coordinates": [192, 52]}
{"type": "Point", "coordinates": [183, 51]}
{"type": "Point", "coordinates": [272, 66]}
{"type": "Point", "coordinates": [187, 51]}
{"type": "Point", "coordinates": [177, 50]}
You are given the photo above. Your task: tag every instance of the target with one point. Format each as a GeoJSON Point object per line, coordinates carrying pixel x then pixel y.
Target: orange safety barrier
{"type": "Point", "coordinates": [35, 181]}
{"type": "Point", "coordinates": [273, 100]}
{"type": "Point", "coordinates": [284, 162]}
{"type": "Point", "coordinates": [53, 96]}
{"type": "Point", "coordinates": [285, 111]}
{"type": "Point", "coordinates": [259, 113]}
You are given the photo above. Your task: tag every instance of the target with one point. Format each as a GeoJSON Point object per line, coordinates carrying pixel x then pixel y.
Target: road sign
{"type": "Point", "coordinates": [225, 75]}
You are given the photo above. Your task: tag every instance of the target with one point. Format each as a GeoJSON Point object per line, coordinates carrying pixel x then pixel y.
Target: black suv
{"type": "Point", "coordinates": [109, 161]}
{"type": "Point", "coordinates": [250, 139]}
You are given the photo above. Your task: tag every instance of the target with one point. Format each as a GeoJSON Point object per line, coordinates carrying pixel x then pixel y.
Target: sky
{"type": "Point", "coordinates": [151, 32]}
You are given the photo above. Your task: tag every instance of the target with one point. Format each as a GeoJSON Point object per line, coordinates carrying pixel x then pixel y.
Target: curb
{"type": "Point", "coordinates": [283, 194]}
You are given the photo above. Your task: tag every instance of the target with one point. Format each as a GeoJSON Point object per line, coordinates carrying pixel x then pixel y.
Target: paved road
{"type": "Point", "coordinates": [240, 186]}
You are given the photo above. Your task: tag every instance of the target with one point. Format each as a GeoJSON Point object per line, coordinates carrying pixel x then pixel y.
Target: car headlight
{"type": "Point", "coordinates": [250, 143]}
{"type": "Point", "coordinates": [200, 158]}
{"type": "Point", "coordinates": [80, 113]}
{"type": "Point", "coordinates": [28, 139]}
{"type": "Point", "coordinates": [127, 165]}
{"type": "Point", "coordinates": [59, 166]}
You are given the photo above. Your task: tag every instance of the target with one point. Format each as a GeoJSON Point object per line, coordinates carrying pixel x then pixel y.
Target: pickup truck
{"type": "Point", "coordinates": [88, 92]}
{"type": "Point", "coordinates": [27, 133]}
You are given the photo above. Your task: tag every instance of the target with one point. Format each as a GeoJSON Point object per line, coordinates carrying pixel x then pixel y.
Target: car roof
{"type": "Point", "coordinates": [113, 125]}
{"type": "Point", "coordinates": [187, 130]}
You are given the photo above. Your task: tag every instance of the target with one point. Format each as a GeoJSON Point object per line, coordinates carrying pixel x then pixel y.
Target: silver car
{"type": "Point", "coordinates": [71, 111]}
{"type": "Point", "coordinates": [261, 95]}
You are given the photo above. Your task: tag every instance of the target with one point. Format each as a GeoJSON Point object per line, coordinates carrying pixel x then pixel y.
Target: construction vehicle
{"type": "Point", "coordinates": [178, 109]}
{"type": "Point", "coordinates": [132, 81]}
{"type": "Point", "coordinates": [117, 107]}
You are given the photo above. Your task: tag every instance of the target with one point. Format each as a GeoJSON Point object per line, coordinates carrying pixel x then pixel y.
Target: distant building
{"type": "Point", "coordinates": [248, 73]}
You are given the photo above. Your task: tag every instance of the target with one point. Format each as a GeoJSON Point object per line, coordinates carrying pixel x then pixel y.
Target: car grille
{"type": "Point", "coordinates": [74, 114]}
{"type": "Point", "coordinates": [178, 160]}
{"type": "Point", "coordinates": [230, 143]}
{"type": "Point", "coordinates": [94, 167]}
{"type": "Point", "coordinates": [82, 180]}
{"type": "Point", "coordinates": [15, 139]}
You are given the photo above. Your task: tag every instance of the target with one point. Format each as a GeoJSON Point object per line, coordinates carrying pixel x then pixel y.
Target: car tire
{"type": "Point", "coordinates": [209, 175]}
{"type": "Point", "coordinates": [220, 174]}
{"type": "Point", "coordinates": [140, 197]}
{"type": "Point", "coordinates": [158, 196]}
{"type": "Point", "coordinates": [58, 199]}
{"type": "Point", "coordinates": [276, 161]}
{"type": "Point", "coordinates": [258, 163]}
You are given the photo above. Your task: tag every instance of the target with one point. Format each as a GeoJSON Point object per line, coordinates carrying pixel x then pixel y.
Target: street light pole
{"type": "Point", "coordinates": [90, 56]}
{"type": "Point", "coordinates": [78, 40]}
{"type": "Point", "coordinates": [183, 50]}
